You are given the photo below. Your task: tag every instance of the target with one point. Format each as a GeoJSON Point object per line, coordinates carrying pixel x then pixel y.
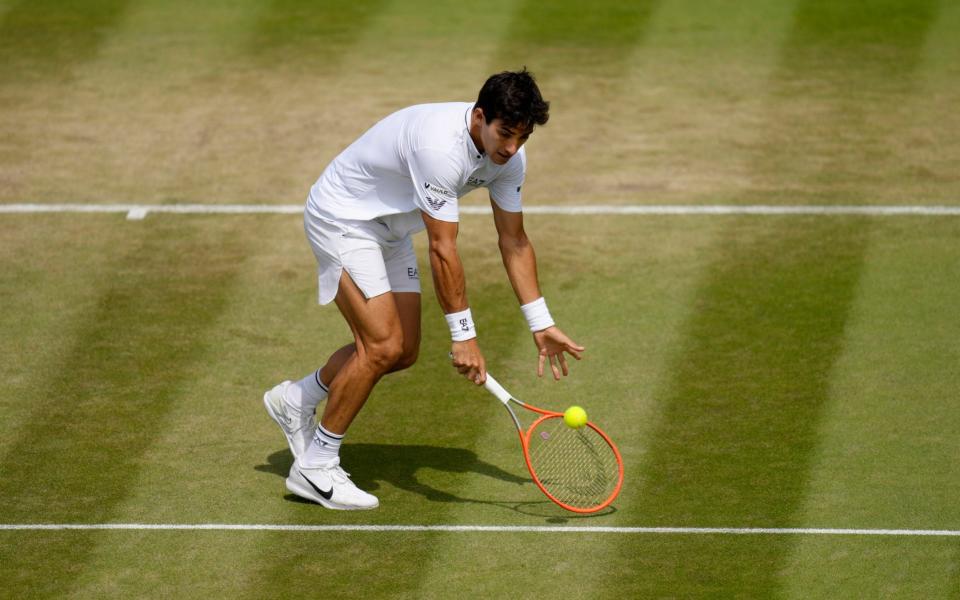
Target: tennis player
{"type": "Point", "coordinates": [405, 174]}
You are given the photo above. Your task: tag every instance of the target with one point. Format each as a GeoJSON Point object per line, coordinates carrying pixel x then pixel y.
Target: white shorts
{"type": "Point", "coordinates": [378, 258]}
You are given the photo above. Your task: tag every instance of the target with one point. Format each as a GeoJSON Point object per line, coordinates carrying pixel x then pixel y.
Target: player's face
{"type": "Point", "coordinates": [501, 141]}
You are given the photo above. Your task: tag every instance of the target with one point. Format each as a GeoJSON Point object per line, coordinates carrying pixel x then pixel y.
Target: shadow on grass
{"type": "Point", "coordinates": [398, 464]}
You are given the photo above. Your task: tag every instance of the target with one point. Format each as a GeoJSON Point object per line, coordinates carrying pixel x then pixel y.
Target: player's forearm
{"type": "Point", "coordinates": [520, 262]}
{"type": "Point", "coordinates": [448, 277]}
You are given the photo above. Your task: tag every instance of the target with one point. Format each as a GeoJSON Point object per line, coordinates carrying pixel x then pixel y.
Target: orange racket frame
{"type": "Point", "coordinates": [494, 387]}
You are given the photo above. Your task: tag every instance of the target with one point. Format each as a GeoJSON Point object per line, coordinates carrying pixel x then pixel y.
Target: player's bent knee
{"type": "Point", "coordinates": [407, 359]}
{"type": "Point", "coordinates": [384, 355]}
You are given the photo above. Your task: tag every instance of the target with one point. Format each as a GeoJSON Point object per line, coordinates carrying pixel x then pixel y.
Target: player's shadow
{"type": "Point", "coordinates": [398, 465]}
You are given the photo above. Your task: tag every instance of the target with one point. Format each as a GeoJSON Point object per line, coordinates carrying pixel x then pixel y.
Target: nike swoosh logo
{"type": "Point", "coordinates": [326, 494]}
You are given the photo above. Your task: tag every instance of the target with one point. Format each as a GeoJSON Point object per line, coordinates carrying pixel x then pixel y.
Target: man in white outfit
{"type": "Point", "coordinates": [405, 174]}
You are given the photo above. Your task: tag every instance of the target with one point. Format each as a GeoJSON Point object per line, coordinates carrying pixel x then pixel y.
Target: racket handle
{"type": "Point", "coordinates": [494, 387]}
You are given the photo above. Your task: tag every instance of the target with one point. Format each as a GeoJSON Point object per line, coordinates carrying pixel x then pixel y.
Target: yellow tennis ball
{"type": "Point", "coordinates": [575, 417]}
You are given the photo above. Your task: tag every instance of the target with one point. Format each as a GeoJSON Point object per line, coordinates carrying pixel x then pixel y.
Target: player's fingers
{"type": "Point", "coordinates": [574, 350]}
{"type": "Point", "coordinates": [540, 365]}
{"type": "Point", "coordinates": [554, 368]}
{"type": "Point", "coordinates": [563, 364]}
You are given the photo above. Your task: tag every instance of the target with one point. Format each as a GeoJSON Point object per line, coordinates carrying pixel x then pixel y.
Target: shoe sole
{"type": "Point", "coordinates": [276, 419]}
{"type": "Point", "coordinates": [307, 494]}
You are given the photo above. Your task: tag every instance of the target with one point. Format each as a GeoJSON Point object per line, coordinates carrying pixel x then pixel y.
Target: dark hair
{"type": "Point", "coordinates": [514, 97]}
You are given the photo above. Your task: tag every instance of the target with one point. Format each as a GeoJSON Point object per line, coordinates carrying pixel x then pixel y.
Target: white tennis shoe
{"type": "Point", "coordinates": [330, 486]}
{"type": "Point", "coordinates": [297, 425]}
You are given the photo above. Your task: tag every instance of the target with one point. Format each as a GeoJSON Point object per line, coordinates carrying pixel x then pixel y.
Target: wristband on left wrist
{"type": "Point", "coordinates": [537, 315]}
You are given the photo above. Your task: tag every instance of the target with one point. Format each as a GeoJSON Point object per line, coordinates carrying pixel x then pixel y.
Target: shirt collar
{"type": "Point", "coordinates": [476, 156]}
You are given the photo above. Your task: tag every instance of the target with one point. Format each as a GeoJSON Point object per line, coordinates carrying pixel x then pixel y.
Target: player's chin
{"type": "Point", "coordinates": [499, 159]}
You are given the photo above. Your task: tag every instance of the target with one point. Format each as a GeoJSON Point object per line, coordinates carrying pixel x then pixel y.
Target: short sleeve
{"type": "Point", "coordinates": [434, 174]}
{"type": "Point", "coordinates": [505, 189]}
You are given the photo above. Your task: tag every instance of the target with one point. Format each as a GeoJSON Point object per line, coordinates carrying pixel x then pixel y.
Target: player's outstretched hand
{"type": "Point", "coordinates": [552, 344]}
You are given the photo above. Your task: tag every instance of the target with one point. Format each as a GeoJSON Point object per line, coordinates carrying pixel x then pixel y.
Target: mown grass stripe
{"type": "Point", "coordinates": [480, 529]}
{"type": "Point", "coordinates": [740, 427]}
{"type": "Point", "coordinates": [48, 39]}
{"type": "Point", "coordinates": [130, 361]}
{"type": "Point", "coordinates": [140, 211]}
{"type": "Point", "coordinates": [321, 34]}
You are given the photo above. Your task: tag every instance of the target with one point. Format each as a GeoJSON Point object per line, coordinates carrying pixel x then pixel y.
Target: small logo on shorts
{"type": "Point", "coordinates": [413, 273]}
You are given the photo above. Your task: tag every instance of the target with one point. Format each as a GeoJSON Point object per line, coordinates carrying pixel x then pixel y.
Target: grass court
{"type": "Point", "coordinates": [792, 371]}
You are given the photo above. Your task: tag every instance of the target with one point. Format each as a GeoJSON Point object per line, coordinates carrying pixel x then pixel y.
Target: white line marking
{"type": "Point", "coordinates": [483, 528]}
{"type": "Point", "coordinates": [139, 211]}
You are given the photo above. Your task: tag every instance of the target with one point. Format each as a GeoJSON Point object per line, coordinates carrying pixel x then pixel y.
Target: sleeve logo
{"type": "Point", "coordinates": [434, 203]}
{"type": "Point", "coordinates": [439, 190]}
{"type": "Point", "coordinates": [437, 203]}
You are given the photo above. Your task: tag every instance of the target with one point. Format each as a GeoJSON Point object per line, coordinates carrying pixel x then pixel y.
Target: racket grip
{"type": "Point", "coordinates": [494, 387]}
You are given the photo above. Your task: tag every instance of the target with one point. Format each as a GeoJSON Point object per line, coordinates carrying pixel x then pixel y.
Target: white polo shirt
{"type": "Point", "coordinates": [418, 158]}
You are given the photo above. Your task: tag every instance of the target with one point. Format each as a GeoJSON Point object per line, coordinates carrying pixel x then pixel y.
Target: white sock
{"type": "Point", "coordinates": [324, 447]}
{"type": "Point", "coordinates": [306, 394]}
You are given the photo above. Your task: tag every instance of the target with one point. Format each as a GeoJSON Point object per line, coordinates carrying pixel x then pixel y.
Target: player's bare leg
{"type": "Point", "coordinates": [408, 306]}
{"type": "Point", "coordinates": [293, 404]}
{"type": "Point", "coordinates": [386, 332]}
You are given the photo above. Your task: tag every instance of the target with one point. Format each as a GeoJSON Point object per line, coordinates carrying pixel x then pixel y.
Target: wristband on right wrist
{"type": "Point", "coordinates": [461, 326]}
{"type": "Point", "coordinates": [537, 315]}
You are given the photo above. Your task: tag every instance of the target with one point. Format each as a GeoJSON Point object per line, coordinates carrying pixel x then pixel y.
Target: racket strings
{"type": "Point", "coordinates": [576, 466]}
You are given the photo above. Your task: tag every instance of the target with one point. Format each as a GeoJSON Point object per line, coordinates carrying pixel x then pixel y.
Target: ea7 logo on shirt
{"type": "Point", "coordinates": [476, 181]}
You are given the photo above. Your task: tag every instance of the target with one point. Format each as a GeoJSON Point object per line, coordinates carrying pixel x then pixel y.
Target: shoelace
{"type": "Point", "coordinates": [340, 475]}
{"type": "Point", "coordinates": [337, 472]}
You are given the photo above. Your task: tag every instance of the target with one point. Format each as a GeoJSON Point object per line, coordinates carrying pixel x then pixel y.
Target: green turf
{"type": "Point", "coordinates": [756, 371]}
{"type": "Point", "coordinates": [718, 428]}
{"type": "Point", "coordinates": [680, 101]}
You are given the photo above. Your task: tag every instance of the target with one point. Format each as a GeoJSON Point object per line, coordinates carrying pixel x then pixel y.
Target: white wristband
{"type": "Point", "coordinates": [461, 325]}
{"type": "Point", "coordinates": [537, 315]}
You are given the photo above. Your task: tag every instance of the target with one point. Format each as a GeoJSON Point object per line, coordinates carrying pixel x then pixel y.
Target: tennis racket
{"type": "Point", "coordinates": [578, 469]}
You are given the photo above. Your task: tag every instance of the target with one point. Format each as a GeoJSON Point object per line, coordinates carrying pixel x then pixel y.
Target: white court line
{"type": "Point", "coordinates": [482, 529]}
{"type": "Point", "coordinates": [137, 212]}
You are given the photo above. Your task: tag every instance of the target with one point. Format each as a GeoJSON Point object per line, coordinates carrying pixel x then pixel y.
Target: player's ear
{"type": "Point", "coordinates": [478, 115]}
